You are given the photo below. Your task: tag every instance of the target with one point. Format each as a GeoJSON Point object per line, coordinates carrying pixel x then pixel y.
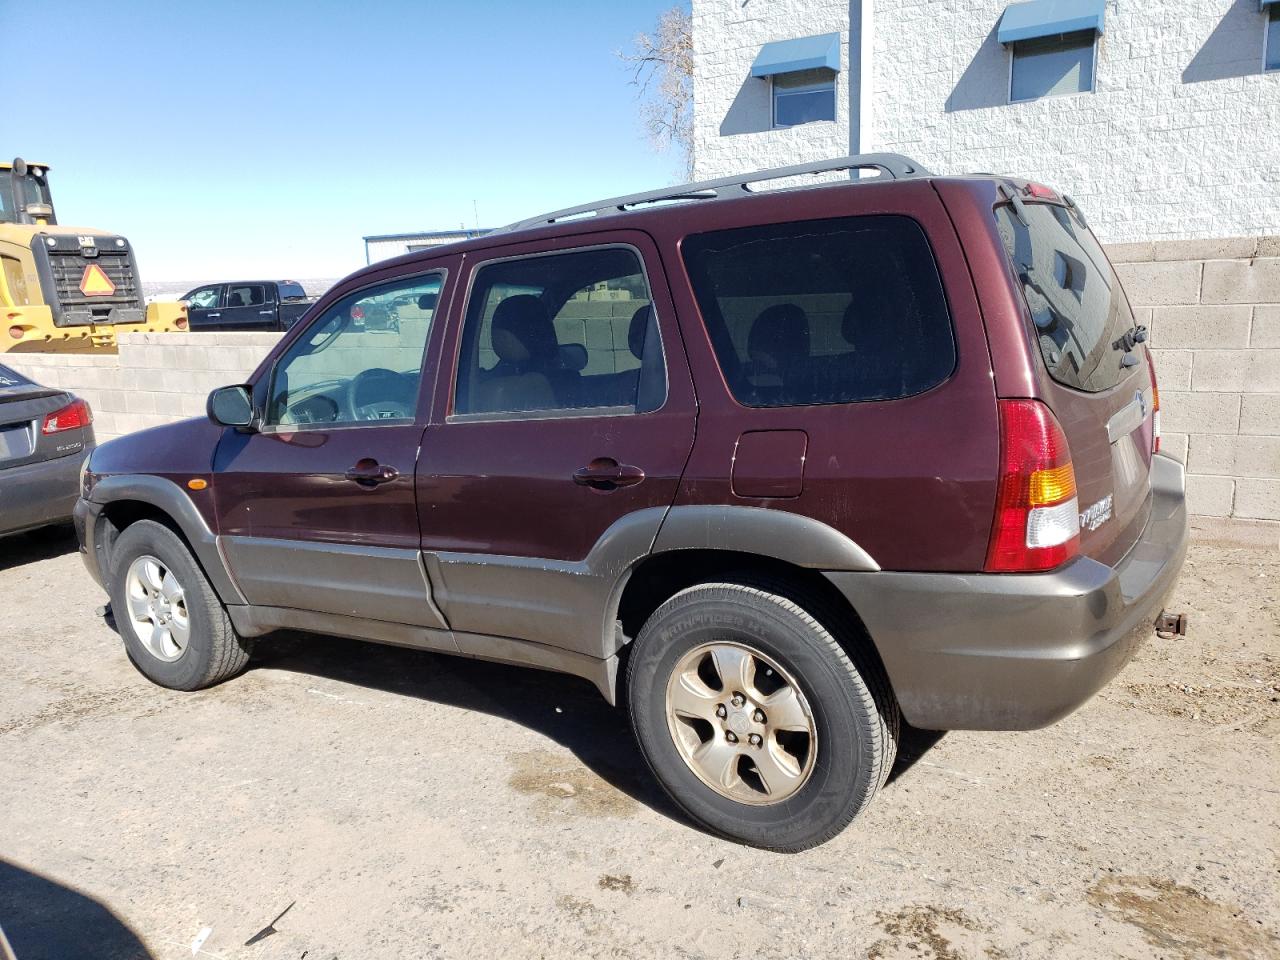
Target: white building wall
{"type": "Point", "coordinates": [732, 110]}
{"type": "Point", "coordinates": [1180, 140]}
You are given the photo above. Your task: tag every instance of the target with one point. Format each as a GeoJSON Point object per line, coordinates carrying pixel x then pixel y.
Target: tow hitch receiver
{"type": "Point", "coordinates": [1171, 625]}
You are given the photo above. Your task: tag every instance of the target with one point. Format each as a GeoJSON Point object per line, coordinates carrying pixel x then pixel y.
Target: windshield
{"type": "Point", "coordinates": [1077, 306]}
{"type": "Point", "coordinates": [16, 192]}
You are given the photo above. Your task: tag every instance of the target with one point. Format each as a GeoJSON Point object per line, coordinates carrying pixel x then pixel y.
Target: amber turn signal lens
{"type": "Point", "coordinates": [1052, 486]}
{"type": "Point", "coordinates": [197, 484]}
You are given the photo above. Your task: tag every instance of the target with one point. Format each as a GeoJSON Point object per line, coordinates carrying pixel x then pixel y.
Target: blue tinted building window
{"type": "Point", "coordinates": [1052, 66]}
{"type": "Point", "coordinates": [1272, 61]}
{"type": "Point", "coordinates": [806, 96]}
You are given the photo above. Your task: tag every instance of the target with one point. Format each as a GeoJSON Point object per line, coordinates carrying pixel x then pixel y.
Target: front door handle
{"type": "Point", "coordinates": [369, 473]}
{"type": "Point", "coordinates": [605, 473]}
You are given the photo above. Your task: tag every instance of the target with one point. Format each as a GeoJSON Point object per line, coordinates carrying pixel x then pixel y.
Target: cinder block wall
{"type": "Point", "coordinates": [155, 378]}
{"type": "Point", "coordinates": [1213, 307]}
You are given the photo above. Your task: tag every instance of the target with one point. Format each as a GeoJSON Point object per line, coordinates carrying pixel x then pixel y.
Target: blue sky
{"type": "Point", "coordinates": [238, 138]}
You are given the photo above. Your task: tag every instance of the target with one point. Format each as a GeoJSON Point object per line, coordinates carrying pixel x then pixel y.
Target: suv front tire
{"type": "Point", "coordinates": [754, 718]}
{"type": "Point", "coordinates": [174, 627]}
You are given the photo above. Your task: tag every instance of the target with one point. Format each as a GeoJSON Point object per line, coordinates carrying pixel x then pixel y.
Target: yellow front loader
{"type": "Point", "coordinates": [66, 289]}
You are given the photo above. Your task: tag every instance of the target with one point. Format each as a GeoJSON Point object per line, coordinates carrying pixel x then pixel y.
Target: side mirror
{"type": "Point", "coordinates": [231, 406]}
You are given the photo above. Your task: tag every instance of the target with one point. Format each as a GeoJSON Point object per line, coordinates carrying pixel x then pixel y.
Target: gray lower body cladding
{"type": "Point", "coordinates": [1014, 651]}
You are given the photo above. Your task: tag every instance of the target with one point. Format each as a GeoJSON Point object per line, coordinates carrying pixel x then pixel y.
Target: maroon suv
{"type": "Point", "coordinates": [773, 467]}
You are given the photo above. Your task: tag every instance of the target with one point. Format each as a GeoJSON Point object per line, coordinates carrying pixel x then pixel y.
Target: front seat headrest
{"type": "Point", "coordinates": [523, 333]}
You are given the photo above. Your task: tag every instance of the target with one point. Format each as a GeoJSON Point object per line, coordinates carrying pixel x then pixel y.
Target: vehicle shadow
{"type": "Point", "coordinates": [47, 920]}
{"type": "Point", "coordinates": [565, 709]}
{"type": "Point", "coordinates": [43, 544]}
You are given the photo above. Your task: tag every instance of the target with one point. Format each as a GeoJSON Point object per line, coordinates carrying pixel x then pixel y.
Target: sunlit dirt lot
{"type": "Point", "coordinates": [354, 801]}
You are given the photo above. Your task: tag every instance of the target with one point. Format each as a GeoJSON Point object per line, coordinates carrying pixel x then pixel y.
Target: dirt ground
{"type": "Point", "coordinates": [344, 800]}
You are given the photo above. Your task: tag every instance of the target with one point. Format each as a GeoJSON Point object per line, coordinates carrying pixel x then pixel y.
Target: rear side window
{"type": "Point", "coordinates": [551, 333]}
{"type": "Point", "coordinates": [1077, 306]}
{"type": "Point", "coordinates": [823, 311]}
{"type": "Point", "coordinates": [291, 291]}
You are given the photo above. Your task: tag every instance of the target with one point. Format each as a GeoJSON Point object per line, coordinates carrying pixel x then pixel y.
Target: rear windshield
{"type": "Point", "coordinates": [1077, 307]}
{"type": "Point", "coordinates": [823, 311]}
{"type": "Point", "coordinates": [11, 378]}
{"type": "Point", "coordinates": [291, 291]}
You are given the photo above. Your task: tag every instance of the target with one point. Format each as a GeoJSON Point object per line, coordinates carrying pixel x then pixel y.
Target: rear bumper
{"type": "Point", "coordinates": [1016, 652]}
{"type": "Point", "coordinates": [39, 494]}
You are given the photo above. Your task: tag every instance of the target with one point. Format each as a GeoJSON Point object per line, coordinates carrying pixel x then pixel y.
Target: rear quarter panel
{"type": "Point", "coordinates": [911, 481]}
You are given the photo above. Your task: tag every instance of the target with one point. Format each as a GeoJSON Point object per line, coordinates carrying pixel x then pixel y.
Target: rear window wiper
{"type": "Point", "coordinates": [1131, 338]}
{"type": "Point", "coordinates": [1128, 340]}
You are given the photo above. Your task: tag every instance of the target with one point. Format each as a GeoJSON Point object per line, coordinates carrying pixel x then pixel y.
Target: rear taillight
{"type": "Point", "coordinates": [1037, 519]}
{"type": "Point", "coordinates": [1155, 406]}
{"type": "Point", "coordinates": [71, 417]}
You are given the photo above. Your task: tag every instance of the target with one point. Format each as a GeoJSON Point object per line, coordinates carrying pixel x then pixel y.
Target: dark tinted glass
{"type": "Point", "coordinates": [291, 291]}
{"type": "Point", "coordinates": [823, 311]}
{"type": "Point", "coordinates": [1076, 303]}
{"type": "Point", "coordinates": [571, 331]}
{"type": "Point", "coordinates": [1273, 39]}
{"type": "Point", "coordinates": [12, 378]}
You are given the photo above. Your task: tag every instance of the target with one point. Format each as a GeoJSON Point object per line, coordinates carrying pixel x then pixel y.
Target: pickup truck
{"type": "Point", "coordinates": [247, 305]}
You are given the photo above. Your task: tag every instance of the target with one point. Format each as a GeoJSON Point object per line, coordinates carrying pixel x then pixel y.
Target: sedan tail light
{"type": "Point", "coordinates": [1037, 517]}
{"type": "Point", "coordinates": [71, 417]}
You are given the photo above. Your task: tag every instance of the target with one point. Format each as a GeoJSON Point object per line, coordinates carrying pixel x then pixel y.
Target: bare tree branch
{"type": "Point", "coordinates": [662, 64]}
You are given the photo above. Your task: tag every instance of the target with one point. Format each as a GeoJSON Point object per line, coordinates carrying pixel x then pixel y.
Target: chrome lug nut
{"type": "Point", "coordinates": [731, 736]}
{"type": "Point", "coordinates": [738, 700]}
{"type": "Point", "coordinates": [758, 716]}
{"type": "Point", "coordinates": [721, 712]}
{"type": "Point", "coordinates": [755, 740]}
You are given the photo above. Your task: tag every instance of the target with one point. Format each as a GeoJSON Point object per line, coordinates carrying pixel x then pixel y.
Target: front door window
{"type": "Point", "coordinates": [361, 362]}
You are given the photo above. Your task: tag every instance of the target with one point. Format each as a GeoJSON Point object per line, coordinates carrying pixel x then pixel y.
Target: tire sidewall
{"type": "Point", "coordinates": [841, 772]}
{"type": "Point", "coordinates": [146, 538]}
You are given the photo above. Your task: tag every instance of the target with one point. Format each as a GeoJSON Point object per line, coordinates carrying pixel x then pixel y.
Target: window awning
{"type": "Point", "coordinates": [1047, 18]}
{"type": "Point", "coordinates": [791, 56]}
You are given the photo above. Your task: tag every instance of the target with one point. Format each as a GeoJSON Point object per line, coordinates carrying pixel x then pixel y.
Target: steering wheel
{"type": "Point", "coordinates": [390, 395]}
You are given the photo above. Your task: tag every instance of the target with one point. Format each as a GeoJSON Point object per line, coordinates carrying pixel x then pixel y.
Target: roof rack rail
{"type": "Point", "coordinates": [891, 165]}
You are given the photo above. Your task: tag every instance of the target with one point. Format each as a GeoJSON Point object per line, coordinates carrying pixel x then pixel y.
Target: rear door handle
{"type": "Point", "coordinates": [213, 314]}
{"type": "Point", "coordinates": [605, 473]}
{"type": "Point", "coordinates": [265, 313]}
{"type": "Point", "coordinates": [369, 473]}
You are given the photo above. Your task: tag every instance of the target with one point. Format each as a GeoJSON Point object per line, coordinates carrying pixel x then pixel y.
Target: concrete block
{"type": "Point", "coordinates": [1199, 412]}
{"type": "Point", "coordinates": [1210, 496]}
{"type": "Point", "coordinates": [1231, 248]}
{"type": "Point", "coordinates": [1173, 369]}
{"type": "Point", "coordinates": [140, 402]}
{"type": "Point", "coordinates": [1268, 247]}
{"type": "Point", "coordinates": [1236, 371]}
{"type": "Point", "coordinates": [1260, 414]}
{"type": "Point", "coordinates": [1231, 281]}
{"type": "Point", "coordinates": [1266, 326]}
{"type": "Point", "coordinates": [1201, 326]}
{"type": "Point", "coordinates": [112, 401]}
{"type": "Point", "coordinates": [1156, 284]}
{"type": "Point", "coordinates": [1174, 445]}
{"type": "Point", "coordinates": [1235, 456]}
{"type": "Point", "coordinates": [1258, 499]}
{"type": "Point", "coordinates": [1131, 252]}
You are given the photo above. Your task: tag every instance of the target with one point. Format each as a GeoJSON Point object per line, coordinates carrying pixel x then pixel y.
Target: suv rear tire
{"type": "Point", "coordinates": [754, 718]}
{"type": "Point", "coordinates": [174, 627]}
